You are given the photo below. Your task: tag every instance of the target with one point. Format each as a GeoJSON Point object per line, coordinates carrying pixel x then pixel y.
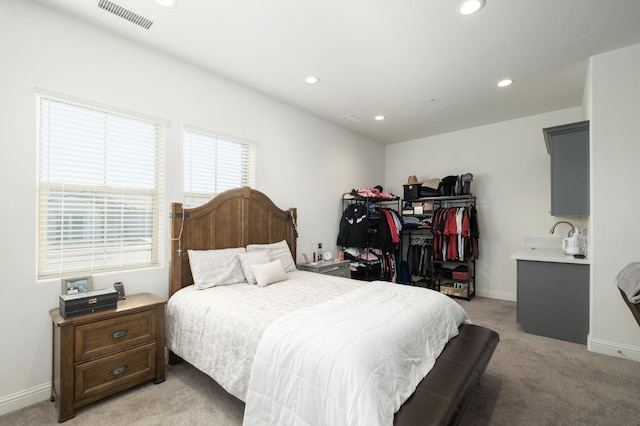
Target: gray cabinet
{"type": "Point", "coordinates": [568, 146]}
{"type": "Point", "coordinates": [553, 299]}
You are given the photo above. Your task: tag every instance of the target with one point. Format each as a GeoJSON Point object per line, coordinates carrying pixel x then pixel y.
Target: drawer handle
{"type": "Point", "coordinates": [119, 370]}
{"type": "Point", "coordinates": [92, 300]}
{"type": "Point", "coordinates": [119, 333]}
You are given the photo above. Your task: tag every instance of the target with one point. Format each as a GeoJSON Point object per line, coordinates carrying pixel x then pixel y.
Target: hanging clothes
{"type": "Point", "coordinates": [455, 233]}
{"type": "Point", "coordinates": [419, 256]}
{"type": "Point", "coordinates": [474, 234]}
{"type": "Point", "coordinates": [354, 226]}
{"type": "Point", "coordinates": [376, 231]}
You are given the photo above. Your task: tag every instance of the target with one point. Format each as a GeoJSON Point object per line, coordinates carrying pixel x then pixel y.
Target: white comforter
{"type": "Point", "coordinates": [217, 330]}
{"type": "Point", "coordinates": [352, 360]}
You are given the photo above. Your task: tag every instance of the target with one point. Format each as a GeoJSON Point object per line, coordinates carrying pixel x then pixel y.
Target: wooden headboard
{"type": "Point", "coordinates": [234, 218]}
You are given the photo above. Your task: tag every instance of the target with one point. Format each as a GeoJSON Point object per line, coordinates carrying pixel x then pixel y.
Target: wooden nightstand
{"type": "Point", "coordinates": [339, 268]}
{"type": "Point", "coordinates": [99, 354]}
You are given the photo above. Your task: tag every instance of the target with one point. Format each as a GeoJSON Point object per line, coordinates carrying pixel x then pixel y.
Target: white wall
{"type": "Point", "coordinates": [614, 105]}
{"type": "Point", "coordinates": [511, 169]}
{"type": "Point", "coordinates": [303, 162]}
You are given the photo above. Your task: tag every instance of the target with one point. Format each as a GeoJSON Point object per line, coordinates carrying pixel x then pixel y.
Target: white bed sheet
{"type": "Point", "coordinates": [352, 360]}
{"type": "Point", "coordinates": [217, 330]}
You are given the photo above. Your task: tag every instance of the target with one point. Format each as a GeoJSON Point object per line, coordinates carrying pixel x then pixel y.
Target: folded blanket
{"type": "Point", "coordinates": [628, 280]}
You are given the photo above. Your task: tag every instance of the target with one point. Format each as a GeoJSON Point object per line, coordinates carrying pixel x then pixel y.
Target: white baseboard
{"type": "Point", "coordinates": [496, 295]}
{"type": "Point", "coordinates": [25, 398]}
{"type": "Point", "coordinates": [613, 349]}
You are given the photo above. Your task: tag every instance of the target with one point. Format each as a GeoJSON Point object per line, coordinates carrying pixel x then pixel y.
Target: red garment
{"type": "Point", "coordinates": [437, 225]}
{"type": "Point", "coordinates": [452, 232]}
{"type": "Point", "coordinates": [466, 229]}
{"type": "Point", "coordinates": [395, 236]}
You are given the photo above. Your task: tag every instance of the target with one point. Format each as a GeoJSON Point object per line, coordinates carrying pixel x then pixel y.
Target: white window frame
{"type": "Point", "coordinates": [214, 163]}
{"type": "Point", "coordinates": [101, 188]}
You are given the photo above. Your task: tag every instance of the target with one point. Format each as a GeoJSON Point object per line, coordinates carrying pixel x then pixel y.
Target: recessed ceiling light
{"type": "Point", "coordinates": [379, 117]}
{"type": "Point", "coordinates": [469, 7]}
{"type": "Point", "coordinates": [311, 79]}
{"type": "Point", "coordinates": [506, 82]}
{"type": "Point", "coordinates": [166, 3]}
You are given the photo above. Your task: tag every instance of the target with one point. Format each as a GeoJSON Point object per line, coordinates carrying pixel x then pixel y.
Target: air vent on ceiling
{"type": "Point", "coordinates": [352, 119]}
{"type": "Point", "coordinates": [125, 14]}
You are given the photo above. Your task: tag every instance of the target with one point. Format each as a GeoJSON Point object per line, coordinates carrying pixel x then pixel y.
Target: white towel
{"type": "Point", "coordinates": [628, 280]}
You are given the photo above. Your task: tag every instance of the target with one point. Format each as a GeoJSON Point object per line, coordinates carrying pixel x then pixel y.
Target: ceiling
{"type": "Point", "coordinates": [428, 69]}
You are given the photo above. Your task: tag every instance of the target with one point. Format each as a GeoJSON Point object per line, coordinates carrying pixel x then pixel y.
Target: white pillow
{"type": "Point", "coordinates": [212, 268]}
{"type": "Point", "coordinates": [279, 251]}
{"type": "Point", "coordinates": [269, 273]}
{"type": "Point", "coordinates": [252, 258]}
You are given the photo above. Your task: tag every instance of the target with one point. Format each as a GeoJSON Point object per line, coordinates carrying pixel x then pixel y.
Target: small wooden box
{"type": "Point", "coordinates": [449, 290]}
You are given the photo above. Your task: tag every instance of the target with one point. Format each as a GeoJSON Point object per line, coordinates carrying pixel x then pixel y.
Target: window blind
{"type": "Point", "coordinates": [100, 189]}
{"type": "Point", "coordinates": [214, 164]}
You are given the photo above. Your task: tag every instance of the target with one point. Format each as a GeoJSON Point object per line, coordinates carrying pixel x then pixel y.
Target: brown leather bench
{"type": "Point", "coordinates": [443, 394]}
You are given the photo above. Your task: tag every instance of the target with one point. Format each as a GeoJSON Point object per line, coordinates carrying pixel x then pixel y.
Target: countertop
{"type": "Point", "coordinates": [547, 255]}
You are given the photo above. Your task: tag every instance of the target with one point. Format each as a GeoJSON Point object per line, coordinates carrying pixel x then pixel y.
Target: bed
{"type": "Point", "coordinates": [243, 219]}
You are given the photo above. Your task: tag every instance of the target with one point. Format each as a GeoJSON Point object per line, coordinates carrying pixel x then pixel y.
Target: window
{"type": "Point", "coordinates": [215, 164]}
{"type": "Point", "coordinates": [100, 189]}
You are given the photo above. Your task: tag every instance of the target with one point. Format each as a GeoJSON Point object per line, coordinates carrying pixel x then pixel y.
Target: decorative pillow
{"type": "Point", "coordinates": [212, 268]}
{"type": "Point", "coordinates": [249, 259]}
{"type": "Point", "coordinates": [279, 251]}
{"type": "Point", "coordinates": [269, 273]}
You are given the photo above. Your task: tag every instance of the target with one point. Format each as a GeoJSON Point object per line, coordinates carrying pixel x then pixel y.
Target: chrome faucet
{"type": "Point", "coordinates": [571, 232]}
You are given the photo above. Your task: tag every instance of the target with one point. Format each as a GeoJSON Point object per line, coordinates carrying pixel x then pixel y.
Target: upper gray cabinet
{"type": "Point", "coordinates": [568, 146]}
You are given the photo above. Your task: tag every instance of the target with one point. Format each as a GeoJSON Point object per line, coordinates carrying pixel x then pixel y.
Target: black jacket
{"type": "Point", "coordinates": [354, 226]}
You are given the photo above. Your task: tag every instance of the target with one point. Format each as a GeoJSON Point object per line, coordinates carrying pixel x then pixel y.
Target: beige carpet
{"type": "Point", "coordinates": [531, 380]}
{"type": "Point", "coordinates": [534, 380]}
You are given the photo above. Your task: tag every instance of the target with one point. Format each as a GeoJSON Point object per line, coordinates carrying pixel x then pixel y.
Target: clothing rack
{"type": "Point", "coordinates": [439, 275]}
{"type": "Point", "coordinates": [368, 224]}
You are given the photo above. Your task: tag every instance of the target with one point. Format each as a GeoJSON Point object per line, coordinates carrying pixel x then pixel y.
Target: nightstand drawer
{"type": "Point", "coordinates": [104, 376]}
{"type": "Point", "coordinates": [106, 337]}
